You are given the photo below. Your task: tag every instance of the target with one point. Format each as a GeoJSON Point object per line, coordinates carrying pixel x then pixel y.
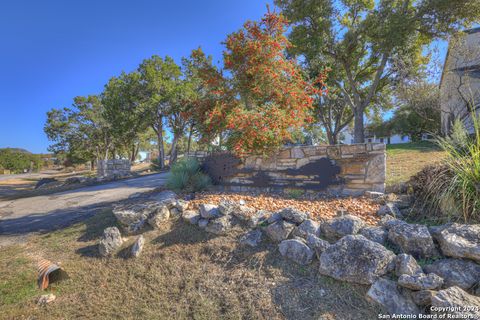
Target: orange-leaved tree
{"type": "Point", "coordinates": [264, 98]}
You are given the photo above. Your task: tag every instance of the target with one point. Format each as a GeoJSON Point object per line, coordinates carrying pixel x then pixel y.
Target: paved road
{"type": "Point", "coordinates": [50, 212]}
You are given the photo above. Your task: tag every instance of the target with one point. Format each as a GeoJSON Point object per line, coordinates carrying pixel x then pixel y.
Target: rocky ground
{"type": "Point", "coordinates": [246, 256]}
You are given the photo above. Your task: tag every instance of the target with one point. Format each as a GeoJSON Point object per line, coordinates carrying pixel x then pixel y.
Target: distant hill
{"type": "Point", "coordinates": [16, 150]}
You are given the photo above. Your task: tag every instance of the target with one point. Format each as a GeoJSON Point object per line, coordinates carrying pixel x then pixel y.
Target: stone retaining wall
{"type": "Point", "coordinates": [113, 167]}
{"type": "Point", "coordinates": [341, 169]}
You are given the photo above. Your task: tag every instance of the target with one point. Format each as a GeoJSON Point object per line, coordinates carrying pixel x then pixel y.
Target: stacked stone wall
{"type": "Point", "coordinates": [113, 167]}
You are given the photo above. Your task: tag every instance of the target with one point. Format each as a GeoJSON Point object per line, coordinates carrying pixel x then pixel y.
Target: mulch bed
{"type": "Point", "coordinates": [321, 208]}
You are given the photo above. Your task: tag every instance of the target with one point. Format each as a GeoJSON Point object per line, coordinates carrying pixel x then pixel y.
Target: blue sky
{"type": "Point", "coordinates": [52, 51]}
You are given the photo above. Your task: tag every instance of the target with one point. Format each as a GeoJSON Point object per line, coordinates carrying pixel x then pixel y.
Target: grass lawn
{"type": "Point", "coordinates": [404, 160]}
{"type": "Point", "coordinates": [183, 273]}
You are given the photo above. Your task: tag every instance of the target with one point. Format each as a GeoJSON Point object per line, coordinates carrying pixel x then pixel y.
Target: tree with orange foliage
{"type": "Point", "coordinates": [265, 97]}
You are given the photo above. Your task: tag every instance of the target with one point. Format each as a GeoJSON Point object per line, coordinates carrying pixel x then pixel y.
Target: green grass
{"type": "Point", "coordinates": [405, 160]}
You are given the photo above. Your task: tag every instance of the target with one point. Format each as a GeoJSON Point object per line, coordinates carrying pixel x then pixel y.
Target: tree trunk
{"type": "Point", "coordinates": [189, 138]}
{"type": "Point", "coordinates": [173, 152]}
{"type": "Point", "coordinates": [330, 137]}
{"type": "Point", "coordinates": [161, 149]}
{"type": "Point", "coordinates": [358, 125]}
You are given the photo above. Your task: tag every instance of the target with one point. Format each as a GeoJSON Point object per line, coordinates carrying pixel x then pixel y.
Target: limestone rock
{"type": "Point", "coordinates": [296, 251]}
{"type": "Point", "coordinates": [138, 246]}
{"type": "Point", "coordinates": [175, 213]}
{"type": "Point", "coordinates": [423, 297]}
{"type": "Point", "coordinates": [460, 241]}
{"type": "Point", "coordinates": [252, 238]}
{"type": "Point", "coordinates": [110, 242]}
{"type": "Point", "coordinates": [307, 227]}
{"type": "Point", "coordinates": [456, 300]}
{"type": "Point", "coordinates": [377, 234]}
{"type": "Point", "coordinates": [219, 226]}
{"type": "Point", "coordinates": [158, 218]}
{"type": "Point", "coordinates": [182, 205]}
{"type": "Point", "coordinates": [293, 215]}
{"type": "Point", "coordinates": [202, 223]}
{"type": "Point", "coordinates": [389, 208]}
{"type": "Point", "coordinates": [191, 216]}
{"type": "Point", "coordinates": [356, 259]}
{"type": "Point", "coordinates": [258, 217]}
{"type": "Point", "coordinates": [341, 226]}
{"type": "Point", "coordinates": [389, 297]}
{"type": "Point", "coordinates": [413, 239]}
{"type": "Point", "coordinates": [243, 213]}
{"type": "Point", "coordinates": [45, 299]}
{"type": "Point", "coordinates": [209, 211]}
{"type": "Point", "coordinates": [279, 230]}
{"type": "Point", "coordinates": [456, 272]}
{"type": "Point", "coordinates": [227, 207]}
{"type": "Point", "coordinates": [131, 217]}
{"type": "Point", "coordinates": [317, 245]}
{"type": "Point", "coordinates": [420, 281]}
{"type": "Point", "coordinates": [406, 264]}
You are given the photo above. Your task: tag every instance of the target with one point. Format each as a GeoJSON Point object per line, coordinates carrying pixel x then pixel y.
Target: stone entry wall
{"type": "Point", "coordinates": [357, 168]}
{"type": "Point", "coordinates": [113, 167]}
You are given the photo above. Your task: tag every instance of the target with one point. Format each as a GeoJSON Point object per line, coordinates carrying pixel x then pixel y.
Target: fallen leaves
{"type": "Point", "coordinates": [321, 209]}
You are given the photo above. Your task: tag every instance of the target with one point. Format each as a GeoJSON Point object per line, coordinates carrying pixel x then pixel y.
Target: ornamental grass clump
{"type": "Point", "coordinates": [186, 176]}
{"type": "Point", "coordinates": [453, 188]}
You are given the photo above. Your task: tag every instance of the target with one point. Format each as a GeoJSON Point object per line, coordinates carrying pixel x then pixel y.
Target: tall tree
{"type": "Point", "coordinates": [369, 38]}
{"type": "Point", "coordinates": [81, 131]}
{"type": "Point", "coordinates": [265, 98]}
{"type": "Point", "coordinates": [160, 80]}
{"type": "Point", "coordinates": [125, 112]}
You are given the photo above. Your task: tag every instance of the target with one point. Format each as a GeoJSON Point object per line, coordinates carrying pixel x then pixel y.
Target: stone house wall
{"type": "Point", "coordinates": [356, 168]}
{"type": "Point", "coordinates": [113, 167]}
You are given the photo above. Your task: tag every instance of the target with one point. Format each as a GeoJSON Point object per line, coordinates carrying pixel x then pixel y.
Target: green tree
{"type": "Point", "coordinates": [80, 132]}
{"type": "Point", "coordinates": [125, 113]}
{"type": "Point", "coordinates": [373, 42]}
{"type": "Point", "coordinates": [161, 85]}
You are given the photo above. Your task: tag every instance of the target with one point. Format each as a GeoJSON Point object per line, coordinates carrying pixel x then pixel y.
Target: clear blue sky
{"type": "Point", "coordinates": [52, 51]}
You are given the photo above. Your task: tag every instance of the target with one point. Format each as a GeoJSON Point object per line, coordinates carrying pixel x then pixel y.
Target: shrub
{"type": "Point", "coordinates": [454, 187]}
{"type": "Point", "coordinates": [186, 176]}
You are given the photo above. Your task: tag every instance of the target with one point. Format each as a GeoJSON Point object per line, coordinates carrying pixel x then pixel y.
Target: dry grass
{"type": "Point", "coordinates": [183, 273]}
{"type": "Point", "coordinates": [405, 160]}
{"type": "Point", "coordinates": [321, 208]}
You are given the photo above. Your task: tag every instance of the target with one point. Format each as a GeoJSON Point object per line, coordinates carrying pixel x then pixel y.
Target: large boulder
{"type": "Point", "coordinates": [423, 297]}
{"type": "Point", "coordinates": [420, 281]}
{"type": "Point", "coordinates": [387, 294]}
{"type": "Point", "coordinates": [356, 259]}
{"type": "Point", "coordinates": [377, 234]}
{"type": "Point", "coordinates": [219, 226]}
{"type": "Point", "coordinates": [456, 272]}
{"type": "Point", "coordinates": [460, 241]}
{"type": "Point", "coordinates": [111, 241]}
{"type": "Point", "coordinates": [389, 208]}
{"type": "Point", "coordinates": [316, 244]}
{"type": "Point", "coordinates": [341, 226]}
{"type": "Point", "coordinates": [455, 303]}
{"type": "Point", "coordinates": [258, 217]}
{"type": "Point", "coordinates": [296, 251]}
{"type": "Point", "coordinates": [293, 215]}
{"type": "Point", "coordinates": [159, 217]}
{"type": "Point", "coordinates": [252, 238]}
{"type": "Point", "coordinates": [279, 231]}
{"type": "Point", "coordinates": [209, 211]}
{"type": "Point", "coordinates": [307, 227]}
{"type": "Point", "coordinates": [414, 239]}
{"type": "Point", "coordinates": [191, 216]}
{"type": "Point", "coordinates": [131, 217]}
{"type": "Point", "coordinates": [406, 264]}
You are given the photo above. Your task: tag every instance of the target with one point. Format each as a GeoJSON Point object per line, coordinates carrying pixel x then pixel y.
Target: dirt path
{"type": "Point", "coordinates": [45, 213]}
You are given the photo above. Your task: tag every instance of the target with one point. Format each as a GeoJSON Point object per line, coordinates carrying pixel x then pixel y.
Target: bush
{"type": "Point", "coordinates": [186, 176]}
{"type": "Point", "coordinates": [453, 188]}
